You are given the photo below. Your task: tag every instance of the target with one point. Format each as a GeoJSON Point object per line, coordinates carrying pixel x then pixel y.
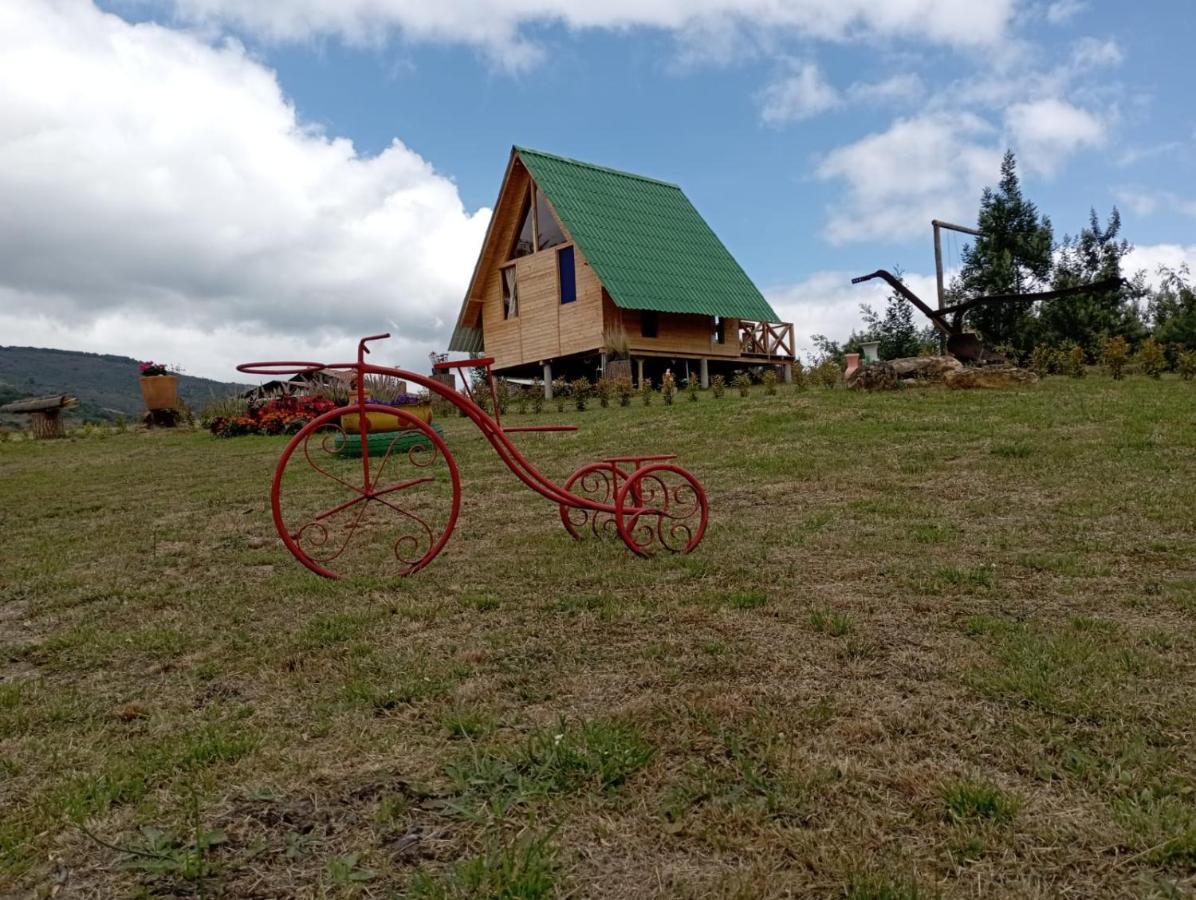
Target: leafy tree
{"type": "Point", "coordinates": [1172, 308]}
{"type": "Point", "coordinates": [1012, 255]}
{"type": "Point", "coordinates": [1095, 254]}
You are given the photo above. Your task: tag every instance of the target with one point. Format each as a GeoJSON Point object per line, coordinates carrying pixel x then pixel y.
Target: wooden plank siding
{"type": "Point", "coordinates": [544, 327]}
{"type": "Point", "coordinates": [679, 334]}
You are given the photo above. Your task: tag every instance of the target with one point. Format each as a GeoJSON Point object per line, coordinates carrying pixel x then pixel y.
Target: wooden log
{"type": "Point", "coordinates": [41, 404]}
{"type": "Point", "coordinates": [47, 424]}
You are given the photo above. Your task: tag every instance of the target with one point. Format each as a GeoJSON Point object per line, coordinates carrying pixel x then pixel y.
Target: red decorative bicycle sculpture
{"type": "Point", "coordinates": [402, 495]}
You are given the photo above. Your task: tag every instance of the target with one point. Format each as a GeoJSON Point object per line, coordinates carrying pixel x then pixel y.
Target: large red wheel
{"type": "Point", "coordinates": [661, 507]}
{"type": "Point", "coordinates": [594, 481]}
{"type": "Point", "coordinates": [390, 511]}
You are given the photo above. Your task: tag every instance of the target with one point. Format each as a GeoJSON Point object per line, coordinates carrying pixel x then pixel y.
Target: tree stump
{"type": "Point", "coordinates": [45, 413]}
{"type": "Point", "coordinates": [46, 424]}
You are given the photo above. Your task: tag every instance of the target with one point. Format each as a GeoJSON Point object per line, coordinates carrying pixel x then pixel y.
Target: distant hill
{"type": "Point", "coordinates": [106, 385]}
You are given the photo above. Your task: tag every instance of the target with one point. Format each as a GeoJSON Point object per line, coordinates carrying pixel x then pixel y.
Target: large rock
{"type": "Point", "coordinates": [931, 367]}
{"type": "Point", "coordinates": [990, 377]}
{"type": "Point", "coordinates": [879, 376]}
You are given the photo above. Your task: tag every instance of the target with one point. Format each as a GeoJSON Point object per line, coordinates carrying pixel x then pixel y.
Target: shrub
{"type": "Point", "coordinates": [1115, 354]}
{"type": "Point", "coordinates": [742, 382]}
{"type": "Point", "coordinates": [224, 408]}
{"type": "Point", "coordinates": [718, 386]}
{"type": "Point", "coordinates": [769, 380]}
{"type": "Point", "coordinates": [1186, 364]}
{"type": "Point", "coordinates": [580, 390]}
{"type": "Point", "coordinates": [691, 388]}
{"type": "Point", "coordinates": [646, 391]}
{"type": "Point", "coordinates": [560, 390]}
{"type": "Point", "coordinates": [1077, 362]}
{"type": "Point", "coordinates": [1151, 358]}
{"type": "Point", "coordinates": [668, 388]}
{"type": "Point", "coordinates": [1042, 360]}
{"type": "Point", "coordinates": [502, 388]}
{"type": "Point", "coordinates": [623, 391]}
{"type": "Point", "coordinates": [799, 375]}
{"type": "Point", "coordinates": [537, 396]}
{"type": "Point", "coordinates": [827, 373]}
{"type": "Point", "coordinates": [521, 398]}
{"type": "Point", "coordinates": [603, 388]}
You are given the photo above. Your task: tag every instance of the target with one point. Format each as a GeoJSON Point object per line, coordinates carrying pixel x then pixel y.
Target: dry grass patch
{"type": "Point", "coordinates": [911, 659]}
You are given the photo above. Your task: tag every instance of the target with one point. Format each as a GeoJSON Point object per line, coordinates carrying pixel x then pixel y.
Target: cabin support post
{"type": "Point", "coordinates": [787, 373]}
{"type": "Point", "coordinates": [603, 363]}
{"type": "Point", "coordinates": [547, 381]}
{"type": "Point", "coordinates": [639, 368]}
{"type": "Point", "coordinates": [705, 373]}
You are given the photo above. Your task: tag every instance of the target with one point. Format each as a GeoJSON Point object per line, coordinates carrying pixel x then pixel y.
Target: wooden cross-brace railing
{"type": "Point", "coordinates": [769, 339]}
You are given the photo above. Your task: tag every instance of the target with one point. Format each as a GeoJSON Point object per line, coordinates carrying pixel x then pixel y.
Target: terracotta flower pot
{"type": "Point", "coordinates": [384, 422]}
{"type": "Point", "coordinates": [160, 391]}
{"type": "Point", "coordinates": [853, 363]}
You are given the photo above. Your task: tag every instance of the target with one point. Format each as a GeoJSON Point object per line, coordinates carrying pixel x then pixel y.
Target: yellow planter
{"type": "Point", "coordinates": [385, 422]}
{"type": "Point", "coordinates": [160, 391]}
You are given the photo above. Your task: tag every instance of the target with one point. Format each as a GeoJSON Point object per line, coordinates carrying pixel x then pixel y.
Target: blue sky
{"type": "Point", "coordinates": [264, 200]}
{"type": "Point", "coordinates": [625, 100]}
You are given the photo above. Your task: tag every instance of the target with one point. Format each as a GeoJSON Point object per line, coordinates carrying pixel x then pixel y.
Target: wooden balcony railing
{"type": "Point", "coordinates": [771, 340]}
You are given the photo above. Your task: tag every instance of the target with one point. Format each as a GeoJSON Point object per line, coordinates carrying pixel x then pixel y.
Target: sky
{"type": "Point", "coordinates": [206, 182]}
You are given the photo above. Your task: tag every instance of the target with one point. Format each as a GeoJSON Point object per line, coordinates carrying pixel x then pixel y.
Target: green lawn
{"type": "Point", "coordinates": [935, 643]}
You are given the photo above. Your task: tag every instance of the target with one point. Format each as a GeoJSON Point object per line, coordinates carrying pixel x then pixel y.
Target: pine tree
{"type": "Point", "coordinates": [896, 330]}
{"type": "Point", "coordinates": [1012, 255]}
{"type": "Point", "coordinates": [1093, 255]}
{"type": "Point", "coordinates": [1173, 308]}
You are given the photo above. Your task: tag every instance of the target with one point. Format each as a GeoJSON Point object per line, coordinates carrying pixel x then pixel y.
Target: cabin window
{"type": "Point", "coordinates": [720, 330]}
{"type": "Point", "coordinates": [510, 295]}
{"type": "Point", "coordinates": [649, 323]}
{"type": "Point", "coordinates": [548, 230]}
{"type": "Point", "coordinates": [524, 245]}
{"type": "Point", "coordinates": [566, 275]}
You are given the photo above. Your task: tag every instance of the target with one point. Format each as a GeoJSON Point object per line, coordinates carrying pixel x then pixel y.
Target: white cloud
{"type": "Point", "coordinates": [804, 93]}
{"type": "Point", "coordinates": [800, 95]}
{"type": "Point", "coordinates": [1047, 131]}
{"type": "Point", "coordinates": [1061, 11]}
{"type": "Point", "coordinates": [1094, 53]}
{"type": "Point", "coordinates": [1147, 202]}
{"type": "Point", "coordinates": [496, 25]}
{"type": "Point", "coordinates": [903, 86]}
{"type": "Point", "coordinates": [158, 186]}
{"type": "Point", "coordinates": [828, 303]}
{"type": "Point", "coordinates": [921, 168]}
{"type": "Point", "coordinates": [1150, 257]}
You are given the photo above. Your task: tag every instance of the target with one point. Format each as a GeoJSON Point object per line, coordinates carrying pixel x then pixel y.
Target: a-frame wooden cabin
{"type": "Point", "coordinates": [579, 258]}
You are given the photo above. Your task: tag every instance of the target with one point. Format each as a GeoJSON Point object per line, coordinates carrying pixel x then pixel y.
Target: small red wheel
{"type": "Point", "coordinates": [661, 507]}
{"type": "Point", "coordinates": [594, 481]}
{"type": "Point", "coordinates": [332, 504]}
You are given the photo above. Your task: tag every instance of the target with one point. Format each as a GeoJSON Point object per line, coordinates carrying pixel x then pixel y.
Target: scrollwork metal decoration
{"type": "Point", "coordinates": [332, 510]}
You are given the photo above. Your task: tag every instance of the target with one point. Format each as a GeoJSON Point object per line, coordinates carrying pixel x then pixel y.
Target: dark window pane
{"type": "Point", "coordinates": [649, 323]}
{"type": "Point", "coordinates": [550, 233]}
{"type": "Point", "coordinates": [523, 243]}
{"type": "Point", "coordinates": [510, 294]}
{"type": "Point", "coordinates": [566, 274]}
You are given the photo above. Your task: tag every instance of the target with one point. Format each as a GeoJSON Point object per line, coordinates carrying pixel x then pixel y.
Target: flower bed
{"type": "Point", "coordinates": [278, 415]}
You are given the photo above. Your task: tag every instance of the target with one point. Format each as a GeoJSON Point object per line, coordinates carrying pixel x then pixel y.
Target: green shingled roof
{"type": "Point", "coordinates": [649, 246]}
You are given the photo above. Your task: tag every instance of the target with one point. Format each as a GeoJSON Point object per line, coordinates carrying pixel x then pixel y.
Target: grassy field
{"type": "Point", "coordinates": [934, 644]}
